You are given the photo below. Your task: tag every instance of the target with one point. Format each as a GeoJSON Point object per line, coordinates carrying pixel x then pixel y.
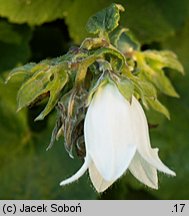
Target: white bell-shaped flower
{"type": "Point", "coordinates": [117, 138]}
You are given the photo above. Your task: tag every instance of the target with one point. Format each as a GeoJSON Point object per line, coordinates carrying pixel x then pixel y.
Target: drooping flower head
{"type": "Point", "coordinates": [117, 138]}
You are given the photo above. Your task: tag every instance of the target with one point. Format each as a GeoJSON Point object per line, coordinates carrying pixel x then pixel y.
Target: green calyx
{"type": "Point", "coordinates": [70, 81]}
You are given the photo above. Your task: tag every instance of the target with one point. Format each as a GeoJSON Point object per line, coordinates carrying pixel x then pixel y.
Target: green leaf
{"type": "Point", "coordinates": [124, 40]}
{"type": "Point", "coordinates": [148, 89]}
{"type": "Point", "coordinates": [153, 73]}
{"type": "Point", "coordinates": [33, 12]}
{"type": "Point", "coordinates": [51, 80]}
{"type": "Point", "coordinates": [144, 90]}
{"type": "Point", "coordinates": [55, 87]}
{"type": "Point", "coordinates": [28, 70]}
{"type": "Point", "coordinates": [113, 53]}
{"type": "Point", "coordinates": [163, 59]}
{"type": "Point", "coordinates": [22, 70]}
{"type": "Point", "coordinates": [33, 88]}
{"type": "Point", "coordinates": [105, 21]}
{"type": "Point", "coordinates": [159, 107]}
{"type": "Point", "coordinates": [159, 79]}
{"type": "Point", "coordinates": [96, 55]}
{"type": "Point", "coordinates": [125, 87]}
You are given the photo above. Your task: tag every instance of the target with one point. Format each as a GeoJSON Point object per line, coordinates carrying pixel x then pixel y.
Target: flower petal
{"type": "Point", "coordinates": [143, 139]}
{"type": "Point", "coordinates": [98, 181]}
{"type": "Point", "coordinates": [79, 173]}
{"type": "Point", "coordinates": [108, 132]}
{"type": "Point", "coordinates": [143, 171]}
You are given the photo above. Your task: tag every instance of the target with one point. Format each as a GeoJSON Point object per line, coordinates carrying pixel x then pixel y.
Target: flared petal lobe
{"type": "Point", "coordinates": [143, 171]}
{"type": "Point", "coordinates": [79, 173]}
{"type": "Point", "coordinates": [142, 138]}
{"type": "Point", "coordinates": [109, 136]}
{"type": "Point", "coordinates": [98, 181]}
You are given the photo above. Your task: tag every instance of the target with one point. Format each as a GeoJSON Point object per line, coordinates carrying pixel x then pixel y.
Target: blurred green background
{"type": "Point", "coordinates": [31, 30]}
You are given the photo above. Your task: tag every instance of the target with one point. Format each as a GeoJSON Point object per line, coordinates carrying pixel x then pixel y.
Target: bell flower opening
{"type": "Point", "coordinates": [116, 139]}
